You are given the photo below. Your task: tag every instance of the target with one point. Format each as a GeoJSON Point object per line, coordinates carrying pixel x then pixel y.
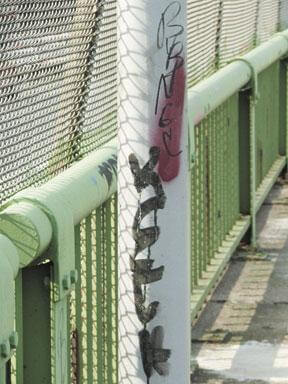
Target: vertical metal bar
{"type": "Point", "coordinates": [209, 192]}
{"type": "Point", "coordinates": [89, 319]}
{"type": "Point", "coordinates": [214, 171]}
{"type": "Point", "coordinates": [198, 202]}
{"type": "Point", "coordinates": [286, 130]}
{"type": "Point", "coordinates": [79, 322]}
{"type": "Point", "coordinates": [69, 340]}
{"type": "Point", "coordinates": [244, 154]}
{"type": "Point", "coordinates": [99, 298]}
{"type": "Point", "coordinates": [116, 285]}
{"type": "Point", "coordinates": [224, 151]}
{"type": "Point", "coordinates": [19, 327]}
{"type": "Point", "coordinates": [194, 260]}
{"type": "Point", "coordinates": [218, 34]}
{"type": "Point", "coordinates": [282, 108]}
{"type": "Point", "coordinates": [228, 165]}
{"type": "Point", "coordinates": [109, 302]}
{"type": "Point", "coordinates": [235, 153]}
{"type": "Point", "coordinates": [8, 372]}
{"type": "Point", "coordinates": [3, 373]}
{"type": "Point", "coordinates": [230, 162]}
{"type": "Point", "coordinates": [223, 175]}
{"type": "Point", "coordinates": [36, 325]}
{"type": "Point", "coordinates": [218, 177]}
{"type": "Point", "coordinates": [212, 177]}
{"type": "Point", "coordinates": [62, 343]}
{"type": "Point", "coordinates": [104, 291]}
{"type": "Point", "coordinates": [253, 173]}
{"type": "Point", "coordinates": [206, 195]}
{"type": "Point", "coordinates": [202, 201]}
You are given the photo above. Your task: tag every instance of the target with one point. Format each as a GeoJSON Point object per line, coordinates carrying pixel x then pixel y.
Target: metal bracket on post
{"type": "Point", "coordinates": [9, 264]}
{"type": "Point", "coordinates": [253, 101]}
{"type": "Point", "coordinates": [254, 78]}
{"type": "Point", "coordinates": [62, 251]}
{"type": "Point", "coordinates": [281, 34]}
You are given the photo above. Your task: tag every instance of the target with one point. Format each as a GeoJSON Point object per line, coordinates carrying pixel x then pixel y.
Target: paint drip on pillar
{"type": "Point", "coordinates": [153, 190]}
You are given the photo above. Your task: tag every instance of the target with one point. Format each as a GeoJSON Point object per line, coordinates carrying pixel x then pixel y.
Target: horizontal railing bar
{"type": "Point", "coordinates": [91, 181]}
{"type": "Point", "coordinates": [83, 187]}
{"type": "Point", "coordinates": [207, 95]}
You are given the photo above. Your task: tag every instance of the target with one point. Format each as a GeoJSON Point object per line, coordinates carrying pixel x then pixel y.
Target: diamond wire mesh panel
{"type": "Point", "coordinates": [267, 121]}
{"type": "Point", "coordinates": [215, 184]}
{"type": "Point", "coordinates": [268, 19]}
{"type": "Point", "coordinates": [93, 327]}
{"type": "Point", "coordinates": [201, 30]}
{"type": "Point", "coordinates": [45, 52]}
{"type": "Point", "coordinates": [238, 29]}
{"type": "Point", "coordinates": [101, 107]}
{"type": "Point", "coordinates": [283, 15]}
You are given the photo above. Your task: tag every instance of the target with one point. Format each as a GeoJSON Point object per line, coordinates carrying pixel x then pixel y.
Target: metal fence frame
{"type": "Point", "coordinates": [35, 219]}
{"type": "Point", "coordinates": [244, 77]}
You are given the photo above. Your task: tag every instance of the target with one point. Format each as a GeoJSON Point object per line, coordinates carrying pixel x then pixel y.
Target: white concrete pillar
{"type": "Point", "coordinates": [154, 193]}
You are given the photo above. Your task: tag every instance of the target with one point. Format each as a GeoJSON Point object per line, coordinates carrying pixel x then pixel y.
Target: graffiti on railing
{"type": "Point", "coordinates": [109, 168]}
{"type": "Point", "coordinates": [170, 93]}
{"type": "Point", "coordinates": [152, 353]}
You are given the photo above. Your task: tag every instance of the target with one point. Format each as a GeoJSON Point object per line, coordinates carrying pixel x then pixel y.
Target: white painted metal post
{"type": "Point", "coordinates": [154, 194]}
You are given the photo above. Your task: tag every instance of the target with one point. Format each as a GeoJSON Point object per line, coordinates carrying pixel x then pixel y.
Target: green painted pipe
{"type": "Point", "coordinates": [82, 188]}
{"type": "Point", "coordinates": [207, 95]}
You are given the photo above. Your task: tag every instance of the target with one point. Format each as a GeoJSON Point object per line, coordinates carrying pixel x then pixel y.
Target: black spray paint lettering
{"type": "Point", "coordinates": [169, 35]}
{"type": "Point", "coordinates": [152, 354]}
{"type": "Point", "coordinates": [108, 168]}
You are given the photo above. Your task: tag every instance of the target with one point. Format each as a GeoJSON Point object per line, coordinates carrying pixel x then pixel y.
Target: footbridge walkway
{"type": "Point", "coordinates": [140, 142]}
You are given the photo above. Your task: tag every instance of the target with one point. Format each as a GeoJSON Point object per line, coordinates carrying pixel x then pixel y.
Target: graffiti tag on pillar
{"type": "Point", "coordinates": [171, 91]}
{"type": "Point", "coordinates": [153, 355]}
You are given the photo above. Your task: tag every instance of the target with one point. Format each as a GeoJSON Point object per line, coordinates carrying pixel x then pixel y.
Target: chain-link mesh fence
{"type": "Point", "coordinates": [283, 14]}
{"type": "Point", "coordinates": [53, 55]}
{"type": "Point", "coordinates": [202, 24]}
{"type": "Point", "coordinates": [58, 74]}
{"type": "Point", "coordinates": [220, 30]}
{"type": "Point", "coordinates": [237, 33]}
{"type": "Point", "coordinates": [268, 19]}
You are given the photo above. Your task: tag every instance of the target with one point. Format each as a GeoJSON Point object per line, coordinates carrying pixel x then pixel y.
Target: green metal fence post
{"type": "Point", "coordinates": [9, 264]}
{"type": "Point", "coordinates": [283, 108]}
{"type": "Point", "coordinates": [36, 324]}
{"type": "Point", "coordinates": [286, 122]}
{"type": "Point", "coordinates": [19, 328]}
{"type": "Point", "coordinates": [244, 157]}
{"type": "Point", "coordinates": [253, 170]}
{"type": "Point", "coordinates": [3, 373]}
{"type": "Point", "coordinates": [252, 114]}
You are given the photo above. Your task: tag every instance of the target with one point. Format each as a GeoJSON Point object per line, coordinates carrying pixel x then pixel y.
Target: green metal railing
{"type": "Point", "coordinates": [94, 299]}
{"type": "Point", "coordinates": [215, 184]}
{"type": "Point", "coordinates": [238, 148]}
{"type": "Point", "coordinates": [238, 151]}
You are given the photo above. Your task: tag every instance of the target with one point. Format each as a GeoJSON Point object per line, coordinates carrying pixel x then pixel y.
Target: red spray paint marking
{"type": "Point", "coordinates": [167, 136]}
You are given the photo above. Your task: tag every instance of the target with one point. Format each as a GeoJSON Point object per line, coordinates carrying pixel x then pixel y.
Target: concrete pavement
{"type": "Point", "coordinates": [242, 335]}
